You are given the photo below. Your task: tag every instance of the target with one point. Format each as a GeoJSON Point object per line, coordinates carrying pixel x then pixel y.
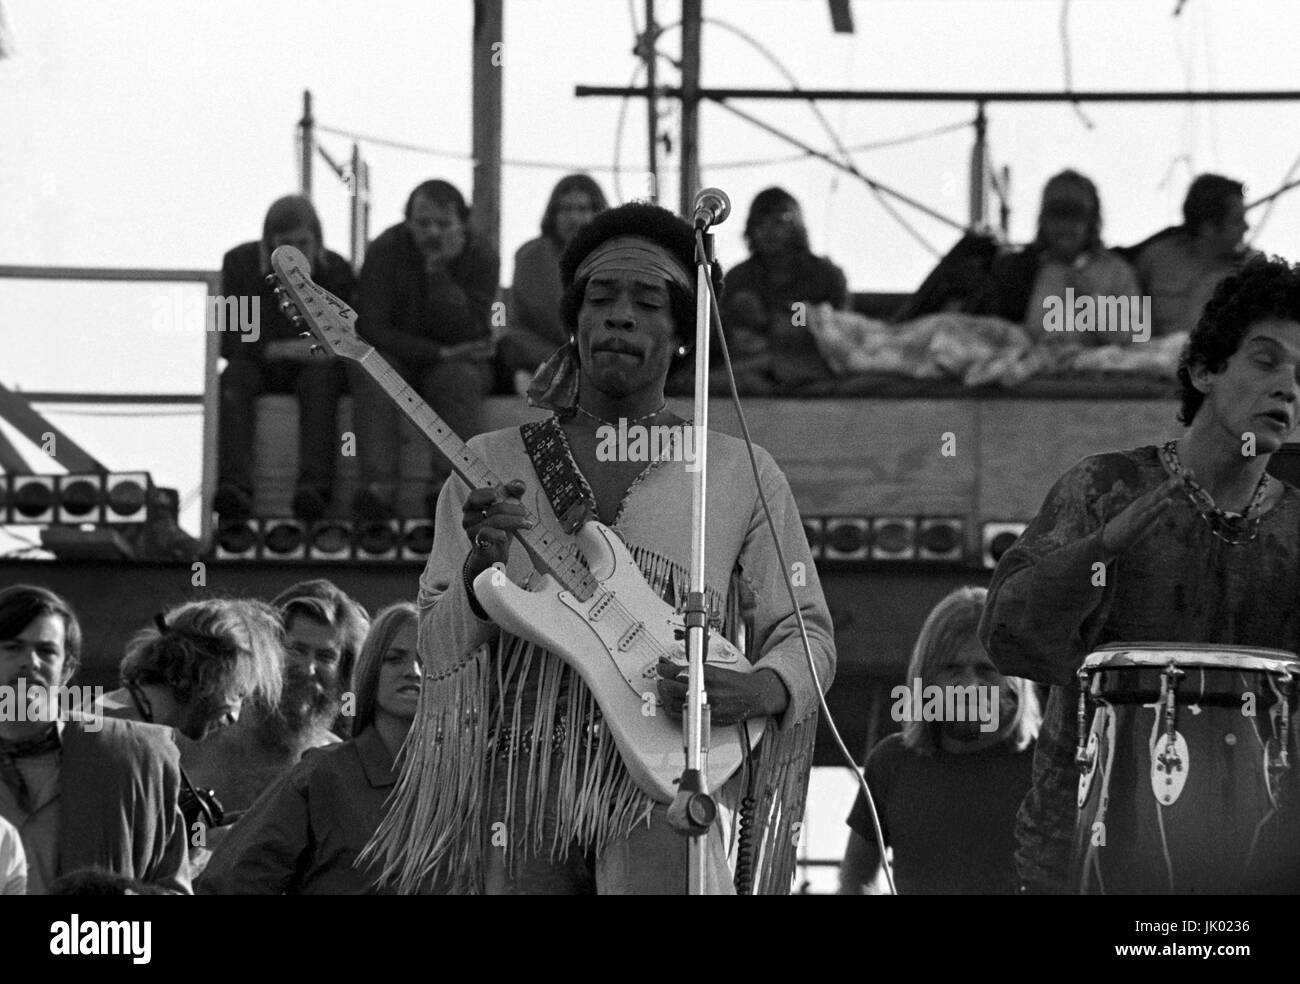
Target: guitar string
{"type": "Point", "coordinates": [558, 556]}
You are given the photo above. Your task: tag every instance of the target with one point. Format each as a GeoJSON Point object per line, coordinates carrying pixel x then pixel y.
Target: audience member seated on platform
{"type": "Point", "coordinates": [425, 302]}
{"type": "Point", "coordinates": [1040, 285]}
{"type": "Point", "coordinates": [268, 356]}
{"type": "Point", "coordinates": [1181, 266]}
{"type": "Point", "coordinates": [81, 789]}
{"type": "Point", "coordinates": [767, 297]}
{"type": "Point", "coordinates": [324, 630]}
{"type": "Point", "coordinates": [948, 786]}
{"type": "Point", "coordinates": [13, 860]}
{"type": "Point", "coordinates": [304, 834]}
{"type": "Point", "coordinates": [534, 331]}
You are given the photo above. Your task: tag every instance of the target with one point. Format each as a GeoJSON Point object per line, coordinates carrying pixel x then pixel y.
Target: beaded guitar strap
{"type": "Point", "coordinates": [560, 479]}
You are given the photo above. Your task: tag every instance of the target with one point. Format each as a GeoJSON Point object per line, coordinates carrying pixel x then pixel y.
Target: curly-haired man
{"type": "Point", "coordinates": [1198, 542]}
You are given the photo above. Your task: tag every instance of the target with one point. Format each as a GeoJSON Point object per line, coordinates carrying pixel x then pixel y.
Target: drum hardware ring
{"type": "Point", "coordinates": [1169, 757]}
{"type": "Point", "coordinates": [1279, 762]}
{"type": "Point", "coordinates": [1082, 759]}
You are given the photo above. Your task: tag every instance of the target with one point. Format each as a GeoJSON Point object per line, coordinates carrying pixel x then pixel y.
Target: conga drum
{"type": "Point", "coordinates": [1185, 768]}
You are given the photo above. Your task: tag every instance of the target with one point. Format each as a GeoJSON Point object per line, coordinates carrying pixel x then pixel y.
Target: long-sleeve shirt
{"type": "Point", "coordinates": [478, 675]}
{"type": "Point", "coordinates": [1055, 599]}
{"type": "Point", "coordinates": [303, 835]}
{"type": "Point", "coordinates": [759, 304]}
{"type": "Point", "coordinates": [405, 310]}
{"type": "Point", "coordinates": [533, 328]}
{"type": "Point", "coordinates": [107, 798]}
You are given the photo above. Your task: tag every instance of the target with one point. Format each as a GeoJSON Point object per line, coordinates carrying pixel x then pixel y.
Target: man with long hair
{"type": "Point", "coordinates": [1191, 541]}
{"type": "Point", "coordinates": [947, 785]}
{"type": "Point", "coordinates": [193, 669]}
{"type": "Point", "coordinates": [323, 632]}
{"type": "Point", "coordinates": [1067, 254]}
{"type": "Point", "coordinates": [305, 833]}
{"type": "Point", "coordinates": [274, 359]}
{"type": "Point", "coordinates": [761, 310]}
{"type": "Point", "coordinates": [513, 784]}
{"type": "Point", "coordinates": [533, 329]}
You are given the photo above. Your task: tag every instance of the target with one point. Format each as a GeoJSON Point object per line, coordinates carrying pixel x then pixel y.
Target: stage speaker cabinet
{"type": "Point", "coordinates": [378, 540]}
{"type": "Point", "coordinates": [284, 539]}
{"type": "Point", "coordinates": [893, 538]}
{"type": "Point", "coordinates": [127, 496]}
{"type": "Point", "coordinates": [236, 541]}
{"type": "Point", "coordinates": [941, 538]}
{"type": "Point", "coordinates": [814, 530]}
{"type": "Point", "coordinates": [34, 499]}
{"type": "Point", "coordinates": [417, 539]}
{"type": "Point", "coordinates": [79, 499]}
{"type": "Point", "coordinates": [997, 538]}
{"type": "Point", "coordinates": [330, 539]}
{"type": "Point", "coordinates": [846, 538]}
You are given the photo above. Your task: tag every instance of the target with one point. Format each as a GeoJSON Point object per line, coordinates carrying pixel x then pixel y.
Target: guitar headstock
{"type": "Point", "coordinates": [311, 306]}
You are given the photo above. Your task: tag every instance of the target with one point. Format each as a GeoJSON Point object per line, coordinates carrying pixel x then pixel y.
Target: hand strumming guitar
{"type": "Point", "coordinates": [733, 697]}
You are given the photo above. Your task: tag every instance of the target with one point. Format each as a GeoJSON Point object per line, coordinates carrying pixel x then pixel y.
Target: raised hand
{"type": "Point", "coordinates": [1139, 516]}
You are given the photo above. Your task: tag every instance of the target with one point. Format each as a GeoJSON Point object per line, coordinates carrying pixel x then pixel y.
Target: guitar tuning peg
{"type": "Point", "coordinates": [271, 281]}
{"type": "Point", "coordinates": [304, 334]}
{"type": "Point", "coordinates": [316, 350]}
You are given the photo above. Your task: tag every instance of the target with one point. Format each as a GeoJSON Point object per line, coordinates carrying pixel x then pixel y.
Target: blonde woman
{"type": "Point", "coordinates": [948, 785]}
{"type": "Point", "coordinates": [303, 834]}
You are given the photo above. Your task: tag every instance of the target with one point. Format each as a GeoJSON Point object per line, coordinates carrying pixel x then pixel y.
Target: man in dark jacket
{"type": "Point", "coordinates": [83, 791]}
{"type": "Point", "coordinates": [425, 303]}
{"type": "Point", "coordinates": [274, 359]}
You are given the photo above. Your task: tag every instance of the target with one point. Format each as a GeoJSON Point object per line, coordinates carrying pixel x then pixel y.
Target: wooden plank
{"type": "Point", "coordinates": [1029, 444]}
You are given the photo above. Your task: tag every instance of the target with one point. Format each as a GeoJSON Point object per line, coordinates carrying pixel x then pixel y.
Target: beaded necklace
{"type": "Point", "coordinates": [610, 423]}
{"type": "Point", "coordinates": [1232, 528]}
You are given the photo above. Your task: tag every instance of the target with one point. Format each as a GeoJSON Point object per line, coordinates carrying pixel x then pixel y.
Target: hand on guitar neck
{"type": "Point", "coordinates": [490, 517]}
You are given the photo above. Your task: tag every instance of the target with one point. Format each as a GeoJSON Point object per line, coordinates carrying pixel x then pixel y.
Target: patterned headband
{"type": "Point", "coordinates": [633, 254]}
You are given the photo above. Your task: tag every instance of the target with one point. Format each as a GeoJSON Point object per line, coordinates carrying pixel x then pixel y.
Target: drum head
{"type": "Point", "coordinates": [1185, 654]}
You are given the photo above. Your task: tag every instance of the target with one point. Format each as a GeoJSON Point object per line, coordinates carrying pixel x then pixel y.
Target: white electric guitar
{"type": "Point", "coordinates": [592, 607]}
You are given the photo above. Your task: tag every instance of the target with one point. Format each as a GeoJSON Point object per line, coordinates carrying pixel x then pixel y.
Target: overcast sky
{"type": "Point", "coordinates": [151, 134]}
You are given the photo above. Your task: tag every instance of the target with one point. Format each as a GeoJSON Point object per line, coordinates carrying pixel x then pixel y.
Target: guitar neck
{"type": "Point", "coordinates": [550, 554]}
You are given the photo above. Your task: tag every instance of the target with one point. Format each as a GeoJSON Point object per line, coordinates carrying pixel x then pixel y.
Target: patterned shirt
{"type": "Point", "coordinates": [1049, 606]}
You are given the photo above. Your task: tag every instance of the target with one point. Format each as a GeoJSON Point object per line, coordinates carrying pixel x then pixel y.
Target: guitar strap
{"type": "Point", "coordinates": [563, 484]}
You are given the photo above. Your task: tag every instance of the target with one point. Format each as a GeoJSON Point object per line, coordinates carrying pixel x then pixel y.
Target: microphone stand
{"type": "Point", "coordinates": [693, 810]}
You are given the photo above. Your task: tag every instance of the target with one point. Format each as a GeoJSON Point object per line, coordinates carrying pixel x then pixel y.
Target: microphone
{"type": "Point", "coordinates": [712, 206]}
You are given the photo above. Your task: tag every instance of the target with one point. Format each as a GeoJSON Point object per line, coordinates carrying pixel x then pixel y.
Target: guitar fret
{"type": "Point", "coordinates": [335, 327]}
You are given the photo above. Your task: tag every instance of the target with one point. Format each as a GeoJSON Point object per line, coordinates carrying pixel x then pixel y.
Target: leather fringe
{"type": "Point", "coordinates": [520, 720]}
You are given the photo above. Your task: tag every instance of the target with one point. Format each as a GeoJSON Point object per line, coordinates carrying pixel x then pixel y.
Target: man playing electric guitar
{"type": "Point", "coordinates": [512, 783]}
